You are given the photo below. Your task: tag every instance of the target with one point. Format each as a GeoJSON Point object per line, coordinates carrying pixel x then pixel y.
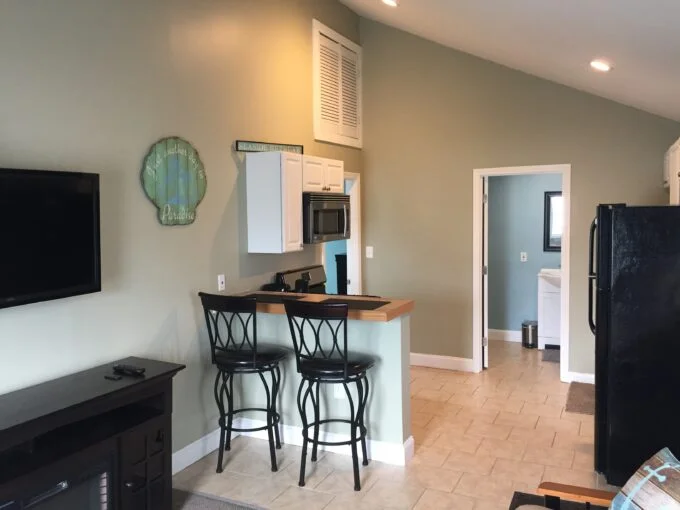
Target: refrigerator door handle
{"type": "Point", "coordinates": [592, 276]}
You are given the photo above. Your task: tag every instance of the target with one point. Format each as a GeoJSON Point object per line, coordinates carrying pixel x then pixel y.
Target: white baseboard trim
{"type": "Point", "coordinates": [195, 451]}
{"type": "Point", "coordinates": [389, 453]}
{"type": "Point", "coordinates": [505, 335]}
{"type": "Point", "coordinates": [581, 377]}
{"type": "Point", "coordinates": [445, 362]}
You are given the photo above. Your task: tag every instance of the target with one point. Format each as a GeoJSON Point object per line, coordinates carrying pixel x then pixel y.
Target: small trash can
{"type": "Point", "coordinates": [530, 334]}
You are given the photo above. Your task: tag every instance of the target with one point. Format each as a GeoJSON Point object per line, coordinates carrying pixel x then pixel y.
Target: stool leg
{"type": "Point", "coordinates": [276, 379]}
{"type": "Point", "coordinates": [302, 401]}
{"type": "Point", "coordinates": [230, 407]}
{"type": "Point", "coordinates": [270, 423]}
{"type": "Point", "coordinates": [363, 398]}
{"type": "Point", "coordinates": [219, 399]}
{"type": "Point", "coordinates": [353, 439]}
{"type": "Point", "coordinates": [317, 417]}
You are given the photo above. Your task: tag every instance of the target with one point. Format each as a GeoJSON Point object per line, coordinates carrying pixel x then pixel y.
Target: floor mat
{"type": "Point", "coordinates": [581, 398]}
{"type": "Point", "coordinates": [191, 501]}
{"type": "Point", "coordinates": [551, 355]}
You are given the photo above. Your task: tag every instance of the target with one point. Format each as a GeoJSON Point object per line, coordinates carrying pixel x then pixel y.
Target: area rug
{"type": "Point", "coordinates": [191, 501]}
{"type": "Point", "coordinates": [581, 398]}
{"type": "Point", "coordinates": [551, 355]}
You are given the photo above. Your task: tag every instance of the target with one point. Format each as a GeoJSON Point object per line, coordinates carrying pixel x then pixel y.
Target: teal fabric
{"type": "Point", "coordinates": [656, 485]}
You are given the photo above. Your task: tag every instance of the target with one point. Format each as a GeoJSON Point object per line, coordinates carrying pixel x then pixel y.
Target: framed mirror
{"type": "Point", "coordinates": [552, 221]}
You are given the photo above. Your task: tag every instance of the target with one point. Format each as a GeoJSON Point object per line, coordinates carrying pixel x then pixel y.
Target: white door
{"type": "Point", "coordinates": [313, 174]}
{"type": "Point", "coordinates": [335, 176]}
{"type": "Point", "coordinates": [291, 183]}
{"type": "Point", "coordinates": [485, 273]}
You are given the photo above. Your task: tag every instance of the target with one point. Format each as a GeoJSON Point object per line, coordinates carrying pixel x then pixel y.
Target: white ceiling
{"type": "Point", "coordinates": [557, 39]}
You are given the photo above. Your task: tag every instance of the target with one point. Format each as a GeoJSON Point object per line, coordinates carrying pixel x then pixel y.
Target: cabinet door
{"type": "Point", "coordinates": [313, 174]}
{"type": "Point", "coordinates": [550, 327]}
{"type": "Point", "coordinates": [335, 176]}
{"type": "Point", "coordinates": [291, 215]}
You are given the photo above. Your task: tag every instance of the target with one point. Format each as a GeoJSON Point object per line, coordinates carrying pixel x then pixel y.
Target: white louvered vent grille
{"type": "Point", "coordinates": [337, 88]}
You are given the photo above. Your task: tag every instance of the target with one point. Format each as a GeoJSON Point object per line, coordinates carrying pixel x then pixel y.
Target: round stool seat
{"type": "Point", "coordinates": [245, 358]}
{"type": "Point", "coordinates": [334, 368]}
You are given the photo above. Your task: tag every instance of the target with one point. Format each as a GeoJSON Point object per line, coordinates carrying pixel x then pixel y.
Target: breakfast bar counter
{"type": "Point", "coordinates": [379, 327]}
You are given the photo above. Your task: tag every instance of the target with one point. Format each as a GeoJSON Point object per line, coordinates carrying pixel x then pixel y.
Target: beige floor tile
{"type": "Point", "coordinates": [437, 500]}
{"type": "Point", "coordinates": [442, 408]}
{"type": "Point", "coordinates": [297, 497]}
{"type": "Point", "coordinates": [552, 388]}
{"type": "Point", "coordinates": [239, 487]}
{"type": "Point", "coordinates": [478, 414]}
{"type": "Point", "coordinates": [485, 504]}
{"type": "Point", "coordinates": [529, 473]}
{"type": "Point", "coordinates": [342, 482]}
{"type": "Point", "coordinates": [424, 436]}
{"type": "Point", "coordinates": [558, 425]}
{"type": "Point", "coordinates": [584, 461]}
{"type": "Point", "coordinates": [508, 404]}
{"type": "Point", "coordinates": [550, 411]}
{"type": "Point", "coordinates": [571, 477]}
{"type": "Point", "coordinates": [557, 400]}
{"type": "Point", "coordinates": [393, 495]}
{"type": "Point", "coordinates": [529, 396]}
{"type": "Point", "coordinates": [587, 429]}
{"type": "Point", "coordinates": [420, 384]}
{"type": "Point", "coordinates": [434, 395]}
{"type": "Point", "coordinates": [433, 477]}
{"type": "Point", "coordinates": [469, 463]}
{"type": "Point", "coordinates": [315, 473]}
{"type": "Point", "coordinates": [492, 392]}
{"type": "Point", "coordinates": [459, 388]}
{"type": "Point", "coordinates": [578, 417]}
{"type": "Point", "coordinates": [457, 440]}
{"type": "Point", "coordinates": [526, 421]}
{"type": "Point", "coordinates": [557, 457]}
{"type": "Point", "coordinates": [578, 443]}
{"type": "Point", "coordinates": [489, 488]}
{"type": "Point", "coordinates": [430, 456]}
{"type": "Point", "coordinates": [503, 448]}
{"type": "Point", "coordinates": [542, 437]}
{"type": "Point", "coordinates": [453, 377]}
{"type": "Point", "coordinates": [420, 419]}
{"type": "Point", "coordinates": [491, 430]}
{"type": "Point", "coordinates": [474, 401]}
{"type": "Point", "coordinates": [418, 406]}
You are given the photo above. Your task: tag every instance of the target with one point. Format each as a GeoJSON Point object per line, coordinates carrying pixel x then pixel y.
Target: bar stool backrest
{"type": "Point", "coordinates": [232, 323]}
{"type": "Point", "coordinates": [318, 330]}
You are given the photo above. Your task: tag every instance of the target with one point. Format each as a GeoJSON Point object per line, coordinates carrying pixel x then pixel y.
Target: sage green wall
{"type": "Point", "coordinates": [90, 86]}
{"type": "Point", "coordinates": [432, 115]}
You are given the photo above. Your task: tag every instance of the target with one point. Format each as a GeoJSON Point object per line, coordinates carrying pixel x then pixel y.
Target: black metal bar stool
{"type": "Point", "coordinates": [319, 332]}
{"type": "Point", "coordinates": [232, 328]}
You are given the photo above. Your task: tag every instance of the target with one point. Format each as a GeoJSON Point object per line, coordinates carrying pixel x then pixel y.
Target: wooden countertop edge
{"type": "Point", "coordinates": [395, 308]}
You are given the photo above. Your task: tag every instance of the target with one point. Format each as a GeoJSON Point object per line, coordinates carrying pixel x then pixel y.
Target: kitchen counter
{"type": "Point", "coordinates": [392, 308]}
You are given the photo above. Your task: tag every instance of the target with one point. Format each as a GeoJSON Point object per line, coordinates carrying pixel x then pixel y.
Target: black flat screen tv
{"type": "Point", "coordinates": [49, 235]}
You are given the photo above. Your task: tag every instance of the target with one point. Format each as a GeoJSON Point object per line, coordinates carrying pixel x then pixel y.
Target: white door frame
{"type": "Point", "coordinates": [354, 260]}
{"type": "Point", "coordinates": [478, 175]}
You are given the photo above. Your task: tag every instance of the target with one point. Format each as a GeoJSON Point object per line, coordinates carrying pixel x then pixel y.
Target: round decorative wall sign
{"type": "Point", "coordinates": [173, 177]}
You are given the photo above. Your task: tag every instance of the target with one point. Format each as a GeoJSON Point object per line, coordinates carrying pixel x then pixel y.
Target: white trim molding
{"type": "Point", "coordinates": [581, 377]}
{"type": "Point", "coordinates": [505, 335]}
{"type": "Point", "coordinates": [195, 451]}
{"type": "Point", "coordinates": [389, 453]}
{"type": "Point", "coordinates": [444, 362]}
{"type": "Point", "coordinates": [478, 176]}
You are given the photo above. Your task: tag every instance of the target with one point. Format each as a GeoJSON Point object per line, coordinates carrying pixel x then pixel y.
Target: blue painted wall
{"type": "Point", "coordinates": [516, 225]}
{"type": "Point", "coordinates": [332, 249]}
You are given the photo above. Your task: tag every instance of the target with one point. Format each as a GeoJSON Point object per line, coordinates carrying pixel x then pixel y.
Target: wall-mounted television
{"type": "Point", "coordinates": [49, 235]}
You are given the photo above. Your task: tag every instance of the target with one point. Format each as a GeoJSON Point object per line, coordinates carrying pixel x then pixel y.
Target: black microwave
{"type": "Point", "coordinates": [325, 216]}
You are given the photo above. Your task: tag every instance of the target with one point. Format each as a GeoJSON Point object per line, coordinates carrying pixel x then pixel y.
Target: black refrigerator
{"type": "Point", "coordinates": [634, 312]}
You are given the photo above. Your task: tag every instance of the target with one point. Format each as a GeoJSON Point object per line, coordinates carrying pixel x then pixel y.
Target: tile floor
{"type": "Point", "coordinates": [479, 438]}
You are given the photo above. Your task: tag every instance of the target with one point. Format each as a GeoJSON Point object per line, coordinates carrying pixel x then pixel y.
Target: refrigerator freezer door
{"type": "Point", "coordinates": [643, 380]}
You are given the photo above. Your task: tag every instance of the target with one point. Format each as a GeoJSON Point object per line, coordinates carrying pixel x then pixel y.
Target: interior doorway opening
{"type": "Point", "coordinates": [342, 259]}
{"type": "Point", "coordinates": [482, 332]}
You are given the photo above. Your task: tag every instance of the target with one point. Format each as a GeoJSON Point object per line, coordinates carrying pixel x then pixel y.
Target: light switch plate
{"type": "Point", "coordinates": [523, 256]}
{"type": "Point", "coordinates": [369, 252]}
{"type": "Point", "coordinates": [221, 282]}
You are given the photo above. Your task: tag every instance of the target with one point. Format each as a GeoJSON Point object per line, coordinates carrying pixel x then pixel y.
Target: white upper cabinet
{"type": "Point", "coordinates": [274, 202]}
{"type": "Point", "coordinates": [321, 175]}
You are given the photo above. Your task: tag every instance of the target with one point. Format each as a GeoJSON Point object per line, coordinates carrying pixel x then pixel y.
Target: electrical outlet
{"type": "Point", "coordinates": [339, 392]}
{"type": "Point", "coordinates": [369, 252]}
{"type": "Point", "coordinates": [523, 256]}
{"type": "Point", "coordinates": [221, 282]}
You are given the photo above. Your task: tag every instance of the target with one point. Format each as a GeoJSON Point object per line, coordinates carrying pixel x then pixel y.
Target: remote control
{"type": "Point", "coordinates": [130, 370]}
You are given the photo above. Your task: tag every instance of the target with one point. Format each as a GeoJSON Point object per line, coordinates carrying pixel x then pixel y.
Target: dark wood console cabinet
{"type": "Point", "coordinates": [62, 439]}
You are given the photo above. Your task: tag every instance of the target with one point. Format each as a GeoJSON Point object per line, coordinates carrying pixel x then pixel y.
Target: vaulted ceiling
{"type": "Point", "coordinates": [557, 39]}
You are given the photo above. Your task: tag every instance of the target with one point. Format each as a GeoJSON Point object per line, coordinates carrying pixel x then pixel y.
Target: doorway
{"type": "Point", "coordinates": [342, 259]}
{"type": "Point", "coordinates": [481, 261]}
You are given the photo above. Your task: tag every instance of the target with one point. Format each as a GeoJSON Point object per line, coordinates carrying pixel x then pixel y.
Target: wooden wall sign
{"type": "Point", "coordinates": [249, 146]}
{"type": "Point", "coordinates": [174, 179]}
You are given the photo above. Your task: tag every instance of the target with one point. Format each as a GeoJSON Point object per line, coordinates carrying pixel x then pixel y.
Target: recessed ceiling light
{"type": "Point", "coordinates": [601, 65]}
{"type": "Point", "coordinates": [391, 3]}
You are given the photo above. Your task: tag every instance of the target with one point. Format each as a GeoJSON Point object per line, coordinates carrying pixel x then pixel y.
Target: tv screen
{"type": "Point", "coordinates": [49, 235]}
